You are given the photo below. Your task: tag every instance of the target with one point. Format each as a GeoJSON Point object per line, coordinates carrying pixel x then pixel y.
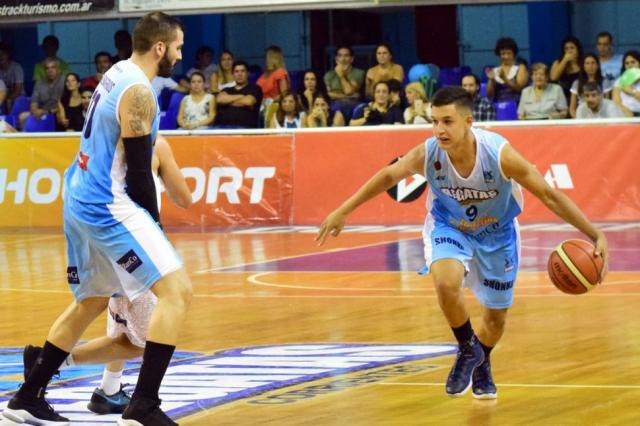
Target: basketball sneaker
{"type": "Point", "coordinates": [470, 355]}
{"type": "Point", "coordinates": [36, 412]}
{"type": "Point", "coordinates": [483, 386]}
{"type": "Point", "coordinates": [29, 357]}
{"type": "Point", "coordinates": [145, 412]}
{"type": "Point", "coordinates": [101, 403]}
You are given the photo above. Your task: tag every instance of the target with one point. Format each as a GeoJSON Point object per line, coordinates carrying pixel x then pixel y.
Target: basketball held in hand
{"type": "Point", "coordinates": [573, 268]}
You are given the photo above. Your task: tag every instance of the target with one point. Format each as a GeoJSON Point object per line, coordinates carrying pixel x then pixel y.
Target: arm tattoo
{"type": "Point", "coordinates": [140, 110]}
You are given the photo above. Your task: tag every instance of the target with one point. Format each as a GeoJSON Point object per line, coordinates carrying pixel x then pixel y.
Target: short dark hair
{"type": "Point", "coordinates": [591, 86]}
{"type": "Point", "coordinates": [198, 73]}
{"type": "Point", "coordinates": [152, 28]}
{"type": "Point", "coordinates": [240, 63]}
{"type": "Point", "coordinates": [51, 39]}
{"type": "Point", "coordinates": [344, 47]}
{"type": "Point", "coordinates": [394, 85]}
{"type": "Point", "coordinates": [204, 49]}
{"type": "Point", "coordinates": [5, 47]}
{"type": "Point", "coordinates": [475, 78]}
{"type": "Point", "coordinates": [386, 46]}
{"type": "Point", "coordinates": [605, 34]}
{"type": "Point", "coordinates": [101, 53]}
{"type": "Point", "coordinates": [506, 43]}
{"type": "Point", "coordinates": [452, 95]}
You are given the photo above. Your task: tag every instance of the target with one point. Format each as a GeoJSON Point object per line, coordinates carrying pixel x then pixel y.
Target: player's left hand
{"type": "Point", "coordinates": [602, 249]}
{"type": "Point", "coordinates": [332, 225]}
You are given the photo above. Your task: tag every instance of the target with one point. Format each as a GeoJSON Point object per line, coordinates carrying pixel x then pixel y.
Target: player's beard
{"type": "Point", "coordinates": [165, 67]}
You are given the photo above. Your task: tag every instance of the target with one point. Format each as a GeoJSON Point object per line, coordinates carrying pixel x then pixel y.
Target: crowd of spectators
{"type": "Point", "coordinates": [230, 94]}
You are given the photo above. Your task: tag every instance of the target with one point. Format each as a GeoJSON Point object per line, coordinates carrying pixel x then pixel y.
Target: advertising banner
{"type": "Point", "coordinates": [49, 8]}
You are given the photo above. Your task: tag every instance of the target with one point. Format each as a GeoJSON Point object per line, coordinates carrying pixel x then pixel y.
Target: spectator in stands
{"type": "Point", "coordinates": [289, 114]}
{"type": "Point", "coordinates": [69, 113]}
{"type": "Point", "coordinates": [590, 72]}
{"type": "Point", "coordinates": [239, 106]}
{"type": "Point", "coordinates": [46, 93]}
{"type": "Point", "coordinates": [542, 100]}
{"type": "Point", "coordinates": [610, 62]}
{"type": "Point", "coordinates": [419, 109]}
{"type": "Point", "coordinates": [566, 69]}
{"type": "Point", "coordinates": [85, 95]}
{"type": "Point", "coordinates": [274, 82]}
{"type": "Point", "coordinates": [122, 42]}
{"type": "Point", "coordinates": [3, 97]}
{"type": "Point", "coordinates": [222, 78]}
{"type": "Point", "coordinates": [160, 83]}
{"type": "Point", "coordinates": [103, 62]}
{"type": "Point", "coordinates": [385, 69]}
{"type": "Point", "coordinates": [628, 97]}
{"type": "Point", "coordinates": [396, 95]}
{"type": "Point", "coordinates": [312, 85]}
{"type": "Point", "coordinates": [344, 82]}
{"type": "Point", "coordinates": [50, 46]}
{"type": "Point", "coordinates": [506, 81]}
{"type": "Point", "coordinates": [483, 109]}
{"type": "Point", "coordinates": [595, 105]}
{"type": "Point", "coordinates": [379, 111]}
{"type": "Point", "coordinates": [204, 64]}
{"type": "Point", "coordinates": [321, 115]}
{"type": "Point", "coordinates": [12, 74]}
{"type": "Point", "coordinates": [198, 108]}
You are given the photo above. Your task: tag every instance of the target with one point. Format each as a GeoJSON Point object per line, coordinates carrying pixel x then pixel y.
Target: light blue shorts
{"type": "Point", "coordinates": [491, 263]}
{"type": "Point", "coordinates": [114, 249]}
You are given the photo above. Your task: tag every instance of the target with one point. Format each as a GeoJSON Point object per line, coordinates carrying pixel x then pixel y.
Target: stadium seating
{"type": "Point", "coordinates": [47, 123]}
{"type": "Point", "coordinates": [507, 110]}
{"type": "Point", "coordinates": [169, 119]}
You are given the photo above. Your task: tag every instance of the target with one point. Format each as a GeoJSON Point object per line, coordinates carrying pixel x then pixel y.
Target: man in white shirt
{"type": "Point", "coordinates": [594, 105]}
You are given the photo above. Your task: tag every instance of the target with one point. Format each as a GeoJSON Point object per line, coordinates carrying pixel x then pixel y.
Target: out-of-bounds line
{"type": "Point", "coordinates": [521, 385]}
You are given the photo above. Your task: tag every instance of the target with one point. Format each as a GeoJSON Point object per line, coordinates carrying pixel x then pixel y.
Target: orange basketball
{"type": "Point", "coordinates": [573, 268]}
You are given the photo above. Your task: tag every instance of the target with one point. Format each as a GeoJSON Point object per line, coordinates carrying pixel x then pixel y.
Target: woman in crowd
{"type": "Point", "coordinates": [541, 100]}
{"type": "Point", "coordinates": [506, 81]}
{"type": "Point", "coordinates": [313, 85]}
{"type": "Point", "coordinates": [627, 96]}
{"type": "Point", "coordinates": [274, 82]}
{"type": "Point", "coordinates": [223, 78]}
{"type": "Point", "coordinates": [590, 72]}
{"type": "Point", "coordinates": [69, 114]}
{"type": "Point", "coordinates": [321, 115]}
{"type": "Point", "coordinates": [566, 69]}
{"type": "Point", "coordinates": [289, 114]}
{"type": "Point", "coordinates": [85, 95]}
{"type": "Point", "coordinates": [379, 111]}
{"type": "Point", "coordinates": [385, 69]}
{"type": "Point", "coordinates": [204, 64]}
{"type": "Point", "coordinates": [198, 108]}
{"type": "Point", "coordinates": [419, 109]}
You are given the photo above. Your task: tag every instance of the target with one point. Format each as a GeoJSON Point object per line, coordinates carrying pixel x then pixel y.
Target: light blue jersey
{"type": "Point", "coordinates": [97, 174]}
{"type": "Point", "coordinates": [113, 245]}
{"type": "Point", "coordinates": [472, 219]}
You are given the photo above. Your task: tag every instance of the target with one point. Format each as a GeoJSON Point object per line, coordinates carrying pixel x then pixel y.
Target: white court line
{"type": "Point", "coordinates": [31, 240]}
{"type": "Point", "coordinates": [523, 385]}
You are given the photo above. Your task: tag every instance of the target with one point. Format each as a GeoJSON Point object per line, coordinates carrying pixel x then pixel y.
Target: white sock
{"type": "Point", "coordinates": [110, 381]}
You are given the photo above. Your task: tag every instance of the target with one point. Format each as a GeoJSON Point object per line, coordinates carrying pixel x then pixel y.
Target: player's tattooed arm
{"type": "Point", "coordinates": [137, 110]}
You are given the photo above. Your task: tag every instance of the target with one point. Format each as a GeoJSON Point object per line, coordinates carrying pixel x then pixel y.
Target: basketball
{"type": "Point", "coordinates": [573, 268]}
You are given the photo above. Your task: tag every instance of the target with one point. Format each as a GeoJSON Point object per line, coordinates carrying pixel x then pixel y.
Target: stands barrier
{"type": "Point", "coordinates": [256, 178]}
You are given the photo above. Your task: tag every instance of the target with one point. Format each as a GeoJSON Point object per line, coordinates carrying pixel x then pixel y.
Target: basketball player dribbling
{"type": "Point", "coordinates": [471, 236]}
{"type": "Point", "coordinates": [127, 321]}
{"type": "Point", "coordinates": [114, 243]}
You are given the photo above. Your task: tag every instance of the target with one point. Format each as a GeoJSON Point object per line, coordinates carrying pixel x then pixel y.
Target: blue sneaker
{"type": "Point", "coordinates": [483, 386]}
{"type": "Point", "coordinates": [102, 403]}
{"type": "Point", "coordinates": [470, 355]}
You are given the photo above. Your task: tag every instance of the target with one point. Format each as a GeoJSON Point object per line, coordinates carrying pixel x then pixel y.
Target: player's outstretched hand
{"type": "Point", "coordinates": [602, 249]}
{"type": "Point", "coordinates": [332, 225]}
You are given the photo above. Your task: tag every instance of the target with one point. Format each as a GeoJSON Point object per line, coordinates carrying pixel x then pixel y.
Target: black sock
{"type": "Point", "coordinates": [155, 361]}
{"type": "Point", "coordinates": [49, 360]}
{"type": "Point", "coordinates": [487, 350]}
{"type": "Point", "coordinates": [464, 333]}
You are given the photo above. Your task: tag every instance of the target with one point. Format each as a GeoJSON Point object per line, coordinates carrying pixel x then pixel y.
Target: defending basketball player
{"type": "Point", "coordinates": [114, 243]}
{"type": "Point", "coordinates": [471, 236]}
{"type": "Point", "coordinates": [127, 321]}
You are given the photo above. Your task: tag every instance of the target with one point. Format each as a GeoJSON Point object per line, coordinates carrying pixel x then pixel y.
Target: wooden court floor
{"type": "Point", "coordinates": [284, 332]}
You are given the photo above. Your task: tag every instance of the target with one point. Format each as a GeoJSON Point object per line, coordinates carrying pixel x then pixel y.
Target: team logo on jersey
{"type": "Point", "coordinates": [488, 176]}
{"type": "Point", "coordinates": [508, 264]}
{"type": "Point", "coordinates": [469, 195]}
{"type": "Point", "coordinates": [83, 161]}
{"type": "Point", "coordinates": [130, 261]}
{"type": "Point", "coordinates": [194, 382]}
